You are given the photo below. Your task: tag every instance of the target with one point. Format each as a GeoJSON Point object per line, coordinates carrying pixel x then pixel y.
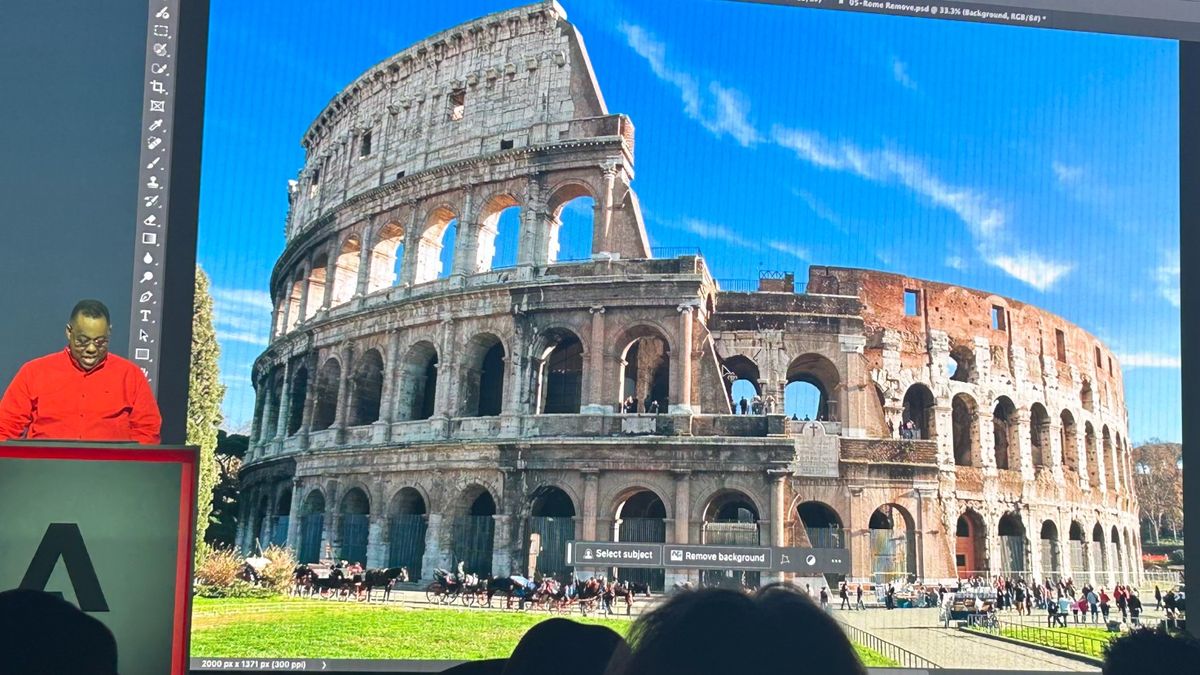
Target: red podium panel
{"type": "Point", "coordinates": [110, 527]}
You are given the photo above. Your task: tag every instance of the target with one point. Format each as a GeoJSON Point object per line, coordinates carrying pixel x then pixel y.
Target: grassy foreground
{"type": "Point", "coordinates": [294, 628]}
{"type": "Point", "coordinates": [1064, 638]}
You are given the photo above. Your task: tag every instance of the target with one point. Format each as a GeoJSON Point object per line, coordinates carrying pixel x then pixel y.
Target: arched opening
{"type": "Point", "coordinates": [325, 406]}
{"type": "Point", "coordinates": [1080, 558]}
{"type": "Point", "coordinates": [261, 522]}
{"type": "Point", "coordinates": [345, 271]}
{"type": "Point", "coordinates": [742, 383]}
{"type": "Point", "coordinates": [1086, 397]}
{"type": "Point", "coordinates": [817, 525]}
{"type": "Point", "coordinates": [294, 297]}
{"type": "Point", "coordinates": [551, 526]}
{"type": "Point", "coordinates": [275, 405]}
{"type": "Point", "coordinates": [1094, 465]}
{"type": "Point", "coordinates": [560, 381]}
{"type": "Point", "coordinates": [893, 545]}
{"type": "Point", "coordinates": [280, 308]}
{"type": "Point", "coordinates": [387, 256]}
{"type": "Point", "coordinates": [1117, 557]}
{"type": "Point", "coordinates": [961, 366]}
{"type": "Point", "coordinates": [1110, 458]}
{"type": "Point", "coordinates": [641, 517]}
{"type": "Point", "coordinates": [366, 389]}
{"type": "Point", "coordinates": [498, 234]}
{"type": "Point", "coordinates": [408, 521]}
{"type": "Point", "coordinates": [482, 386]}
{"type": "Point", "coordinates": [417, 382]}
{"type": "Point", "coordinates": [1051, 555]}
{"type": "Point", "coordinates": [1004, 432]}
{"type": "Point", "coordinates": [1069, 435]}
{"type": "Point", "coordinates": [970, 545]}
{"type": "Point", "coordinates": [1039, 435]}
{"type": "Point", "coordinates": [820, 373]}
{"type": "Point", "coordinates": [917, 420]}
{"type": "Point", "coordinates": [279, 528]}
{"type": "Point", "coordinates": [1100, 554]}
{"type": "Point", "coordinates": [1012, 545]}
{"type": "Point", "coordinates": [730, 519]}
{"type": "Point", "coordinates": [312, 527]}
{"type": "Point", "coordinates": [1131, 558]}
{"type": "Point", "coordinates": [355, 523]}
{"type": "Point", "coordinates": [299, 392]}
{"type": "Point", "coordinates": [963, 415]}
{"type": "Point", "coordinates": [646, 373]}
{"type": "Point", "coordinates": [474, 530]}
{"type": "Point", "coordinates": [435, 250]}
{"type": "Point", "coordinates": [316, 285]}
{"type": "Point", "coordinates": [571, 220]}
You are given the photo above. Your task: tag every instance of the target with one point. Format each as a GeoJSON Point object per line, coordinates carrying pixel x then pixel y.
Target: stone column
{"type": "Point", "coordinates": [261, 393]}
{"type": "Point", "coordinates": [1081, 453]}
{"type": "Point", "coordinates": [376, 547]}
{"type": "Point", "coordinates": [987, 442]}
{"type": "Point", "coordinates": [501, 555]}
{"type": "Point", "coordinates": [343, 400]}
{"type": "Point", "coordinates": [436, 554]}
{"type": "Point", "coordinates": [285, 401]}
{"type": "Point", "coordinates": [446, 367]}
{"type": "Point", "coordinates": [364, 266]}
{"type": "Point", "coordinates": [304, 296]}
{"type": "Point", "coordinates": [681, 522]}
{"type": "Point", "coordinates": [681, 395]}
{"type": "Point", "coordinates": [1114, 457]}
{"type": "Point", "coordinates": [779, 514]}
{"type": "Point", "coordinates": [293, 533]}
{"type": "Point", "coordinates": [1024, 444]}
{"type": "Point", "coordinates": [591, 481]}
{"type": "Point", "coordinates": [1056, 449]}
{"type": "Point", "coordinates": [243, 520]}
{"type": "Point", "coordinates": [602, 230]}
{"type": "Point", "coordinates": [310, 400]}
{"type": "Point", "coordinates": [943, 429]}
{"type": "Point", "coordinates": [412, 237]}
{"type": "Point", "coordinates": [330, 275]}
{"type": "Point", "coordinates": [595, 377]}
{"type": "Point", "coordinates": [1101, 460]}
{"type": "Point", "coordinates": [382, 433]}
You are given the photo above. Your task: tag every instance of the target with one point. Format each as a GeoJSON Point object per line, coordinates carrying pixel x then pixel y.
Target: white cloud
{"type": "Point", "coordinates": [1030, 268]}
{"type": "Point", "coordinates": [1148, 360]}
{"type": "Point", "coordinates": [709, 230]}
{"type": "Point", "coordinates": [815, 149]}
{"type": "Point", "coordinates": [790, 249]}
{"type": "Point", "coordinates": [1166, 276]}
{"type": "Point", "coordinates": [971, 206]}
{"type": "Point", "coordinates": [242, 297]}
{"type": "Point", "coordinates": [1066, 173]}
{"type": "Point", "coordinates": [956, 263]}
{"type": "Point", "coordinates": [900, 74]}
{"type": "Point", "coordinates": [249, 338]}
{"type": "Point", "coordinates": [241, 315]}
{"type": "Point", "coordinates": [723, 111]}
{"type": "Point", "coordinates": [818, 207]}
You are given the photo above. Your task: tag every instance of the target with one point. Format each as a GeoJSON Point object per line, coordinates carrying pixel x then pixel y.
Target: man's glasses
{"type": "Point", "coordinates": [82, 342]}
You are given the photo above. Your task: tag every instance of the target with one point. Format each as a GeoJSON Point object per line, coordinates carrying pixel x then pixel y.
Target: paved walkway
{"type": "Point", "coordinates": [918, 631]}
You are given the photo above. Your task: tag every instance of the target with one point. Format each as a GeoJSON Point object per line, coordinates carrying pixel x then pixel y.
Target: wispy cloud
{"type": "Point", "coordinates": [1148, 360]}
{"type": "Point", "coordinates": [977, 210]}
{"type": "Point", "coordinates": [242, 297]}
{"type": "Point", "coordinates": [1030, 268]}
{"type": "Point", "coordinates": [1066, 173]}
{"type": "Point", "coordinates": [818, 207]}
{"type": "Point", "coordinates": [719, 109]}
{"type": "Point", "coordinates": [790, 249]}
{"type": "Point", "coordinates": [1166, 276]}
{"type": "Point", "coordinates": [955, 262]}
{"type": "Point", "coordinates": [900, 74]}
{"type": "Point", "coordinates": [241, 315]}
{"type": "Point", "coordinates": [249, 338]}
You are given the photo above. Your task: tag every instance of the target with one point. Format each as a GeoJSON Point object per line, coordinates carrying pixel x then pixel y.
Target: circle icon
{"type": "Point", "coordinates": [811, 560]}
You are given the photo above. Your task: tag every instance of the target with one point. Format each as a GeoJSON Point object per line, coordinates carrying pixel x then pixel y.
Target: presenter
{"type": "Point", "coordinates": [82, 393]}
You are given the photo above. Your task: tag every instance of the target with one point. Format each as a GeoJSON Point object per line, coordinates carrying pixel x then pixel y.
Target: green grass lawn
{"type": "Point", "coordinates": [1066, 639]}
{"type": "Point", "coordinates": [294, 628]}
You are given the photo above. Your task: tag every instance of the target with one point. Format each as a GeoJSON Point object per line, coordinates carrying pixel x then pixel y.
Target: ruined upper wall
{"type": "Point", "coordinates": [507, 80]}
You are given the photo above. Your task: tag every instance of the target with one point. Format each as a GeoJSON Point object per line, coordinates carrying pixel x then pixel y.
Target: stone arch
{"type": "Point", "coordinates": [1051, 550]}
{"type": "Point", "coordinates": [1013, 544]}
{"type": "Point", "coordinates": [579, 245]}
{"type": "Point", "coordinates": [325, 404]}
{"type": "Point", "coordinates": [440, 222]}
{"type": "Point", "coordinates": [473, 529]}
{"type": "Point", "coordinates": [316, 285]}
{"type": "Point", "coordinates": [962, 358]}
{"type": "Point", "coordinates": [1039, 435]}
{"type": "Point", "coordinates": [970, 545]}
{"type": "Point", "coordinates": [299, 394]}
{"type": "Point", "coordinates": [354, 511]}
{"type": "Point", "coordinates": [640, 516]}
{"type": "Point", "coordinates": [1131, 557]}
{"type": "Point", "coordinates": [730, 517]}
{"type": "Point", "coordinates": [387, 255]}
{"type": "Point", "coordinates": [366, 388]}
{"type": "Point", "coordinates": [964, 415]}
{"type": "Point", "coordinates": [481, 383]}
{"type": "Point", "coordinates": [560, 372]}
{"type": "Point", "coordinates": [408, 522]}
{"type": "Point", "coordinates": [820, 372]}
{"type": "Point", "coordinates": [817, 525]}
{"type": "Point", "coordinates": [260, 519]}
{"type": "Point", "coordinates": [1080, 558]}
{"type": "Point", "coordinates": [295, 296]}
{"type": "Point", "coordinates": [552, 519]}
{"type": "Point", "coordinates": [279, 311]}
{"type": "Point", "coordinates": [918, 410]}
{"type": "Point", "coordinates": [312, 526]}
{"type": "Point", "coordinates": [1117, 559]}
{"type": "Point", "coordinates": [1004, 434]}
{"type": "Point", "coordinates": [1093, 463]}
{"type": "Point", "coordinates": [741, 380]}
{"type": "Point", "coordinates": [488, 234]}
{"type": "Point", "coordinates": [645, 367]}
{"type": "Point", "coordinates": [416, 382]}
{"type": "Point", "coordinates": [1100, 552]}
{"type": "Point", "coordinates": [1086, 397]}
{"type": "Point", "coordinates": [345, 271]}
{"type": "Point", "coordinates": [1068, 435]}
{"type": "Point", "coordinates": [893, 544]}
{"type": "Point", "coordinates": [1110, 458]}
{"type": "Point", "coordinates": [275, 403]}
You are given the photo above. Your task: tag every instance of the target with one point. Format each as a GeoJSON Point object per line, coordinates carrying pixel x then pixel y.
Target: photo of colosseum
{"type": "Point", "coordinates": [414, 414]}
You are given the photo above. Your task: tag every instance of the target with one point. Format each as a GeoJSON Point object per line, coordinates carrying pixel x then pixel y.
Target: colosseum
{"type": "Point", "coordinates": [414, 413]}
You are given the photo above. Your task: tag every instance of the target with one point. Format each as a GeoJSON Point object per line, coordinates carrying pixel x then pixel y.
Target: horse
{"type": "Point", "coordinates": [508, 586]}
{"type": "Point", "coordinates": [385, 578]}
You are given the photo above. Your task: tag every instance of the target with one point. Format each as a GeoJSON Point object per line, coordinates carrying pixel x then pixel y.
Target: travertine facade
{"type": "Point", "coordinates": [432, 415]}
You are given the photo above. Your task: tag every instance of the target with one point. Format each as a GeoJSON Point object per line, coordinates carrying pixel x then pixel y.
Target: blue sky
{"type": "Point", "coordinates": [1041, 165]}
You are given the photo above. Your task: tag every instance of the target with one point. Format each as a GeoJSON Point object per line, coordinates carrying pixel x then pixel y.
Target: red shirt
{"type": "Point", "coordinates": [54, 398]}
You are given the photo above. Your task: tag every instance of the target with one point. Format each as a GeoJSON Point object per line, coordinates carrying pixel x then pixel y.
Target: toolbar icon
{"type": "Point", "coordinates": [141, 354]}
{"type": "Point", "coordinates": [158, 106]}
{"type": "Point", "coordinates": [146, 297]}
{"type": "Point", "coordinates": [146, 372]}
{"type": "Point", "coordinates": [148, 259]}
{"type": "Point", "coordinates": [151, 221]}
{"type": "Point", "coordinates": [157, 87]}
{"type": "Point", "coordinates": [145, 315]}
{"type": "Point", "coordinates": [146, 276]}
{"type": "Point", "coordinates": [151, 200]}
{"type": "Point", "coordinates": [143, 336]}
{"type": "Point", "coordinates": [162, 31]}
{"type": "Point", "coordinates": [150, 238]}
{"type": "Point", "coordinates": [153, 163]}
{"type": "Point", "coordinates": [155, 125]}
{"type": "Point", "coordinates": [163, 13]}
{"type": "Point", "coordinates": [160, 49]}
{"type": "Point", "coordinates": [158, 68]}
{"type": "Point", "coordinates": [153, 142]}
{"type": "Point", "coordinates": [152, 184]}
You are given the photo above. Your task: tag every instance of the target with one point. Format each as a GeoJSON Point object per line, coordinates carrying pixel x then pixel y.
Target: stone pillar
{"type": "Point", "coordinates": [310, 401]}
{"type": "Point", "coordinates": [1081, 453]}
{"type": "Point", "coordinates": [893, 416]}
{"type": "Point", "coordinates": [412, 235]}
{"type": "Point", "coordinates": [382, 433]}
{"type": "Point", "coordinates": [501, 555]}
{"type": "Point", "coordinates": [1024, 445]}
{"type": "Point", "coordinates": [681, 394]}
{"type": "Point", "coordinates": [594, 404]}
{"type": "Point", "coordinates": [304, 296]}
{"type": "Point", "coordinates": [446, 367]}
{"type": "Point", "coordinates": [1056, 449]}
{"type": "Point", "coordinates": [591, 480]}
{"type": "Point", "coordinates": [602, 229]}
{"type": "Point", "coordinates": [1100, 459]}
{"type": "Point", "coordinates": [943, 429]}
{"type": "Point", "coordinates": [330, 275]}
{"type": "Point", "coordinates": [1114, 457]}
{"type": "Point", "coordinates": [285, 401]}
{"type": "Point", "coordinates": [778, 523]}
{"type": "Point", "coordinates": [987, 443]}
{"type": "Point", "coordinates": [343, 400]}
{"type": "Point", "coordinates": [436, 555]}
{"type": "Point", "coordinates": [364, 266]}
{"type": "Point", "coordinates": [376, 546]}
{"type": "Point", "coordinates": [293, 533]}
{"type": "Point", "coordinates": [243, 521]}
{"type": "Point", "coordinates": [261, 393]}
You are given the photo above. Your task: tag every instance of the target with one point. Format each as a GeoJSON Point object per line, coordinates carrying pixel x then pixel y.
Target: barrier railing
{"type": "Point", "coordinates": [1065, 640]}
{"type": "Point", "coordinates": [674, 251]}
{"type": "Point", "coordinates": [900, 655]}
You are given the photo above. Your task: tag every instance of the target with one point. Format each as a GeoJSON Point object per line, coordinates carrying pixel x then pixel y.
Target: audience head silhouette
{"type": "Point", "coordinates": [554, 644]}
{"type": "Point", "coordinates": [1130, 654]}
{"type": "Point", "coordinates": [42, 633]}
{"type": "Point", "coordinates": [781, 629]}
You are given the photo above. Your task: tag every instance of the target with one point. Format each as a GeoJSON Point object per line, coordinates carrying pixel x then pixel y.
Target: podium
{"type": "Point", "coordinates": [110, 527]}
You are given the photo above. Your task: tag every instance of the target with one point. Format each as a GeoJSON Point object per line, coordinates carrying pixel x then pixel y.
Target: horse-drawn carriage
{"type": "Point", "coordinates": [329, 579]}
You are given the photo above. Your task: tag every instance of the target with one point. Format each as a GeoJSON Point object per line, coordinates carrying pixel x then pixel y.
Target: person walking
{"type": "Point", "coordinates": [825, 598]}
{"type": "Point", "coordinates": [1093, 603]}
{"type": "Point", "coordinates": [1157, 597]}
{"type": "Point", "coordinates": [844, 595]}
{"type": "Point", "coordinates": [744, 405]}
{"type": "Point", "coordinates": [858, 604]}
{"type": "Point", "coordinates": [1104, 607]}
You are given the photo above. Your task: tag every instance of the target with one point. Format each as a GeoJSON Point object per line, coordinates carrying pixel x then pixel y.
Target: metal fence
{"type": "Point", "coordinates": [473, 539]}
{"type": "Point", "coordinates": [406, 542]}
{"type": "Point", "coordinates": [738, 285]}
{"type": "Point", "coordinates": [553, 534]}
{"type": "Point", "coordinates": [279, 531]}
{"type": "Point", "coordinates": [902, 657]}
{"type": "Point", "coordinates": [674, 251]}
{"type": "Point", "coordinates": [731, 534]}
{"type": "Point", "coordinates": [1048, 637]}
{"type": "Point", "coordinates": [643, 530]}
{"type": "Point", "coordinates": [353, 536]}
{"type": "Point", "coordinates": [311, 529]}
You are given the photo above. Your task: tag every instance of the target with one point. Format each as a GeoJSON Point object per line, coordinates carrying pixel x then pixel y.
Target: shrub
{"type": "Point", "coordinates": [218, 567]}
{"type": "Point", "coordinates": [277, 575]}
{"type": "Point", "coordinates": [1176, 557]}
